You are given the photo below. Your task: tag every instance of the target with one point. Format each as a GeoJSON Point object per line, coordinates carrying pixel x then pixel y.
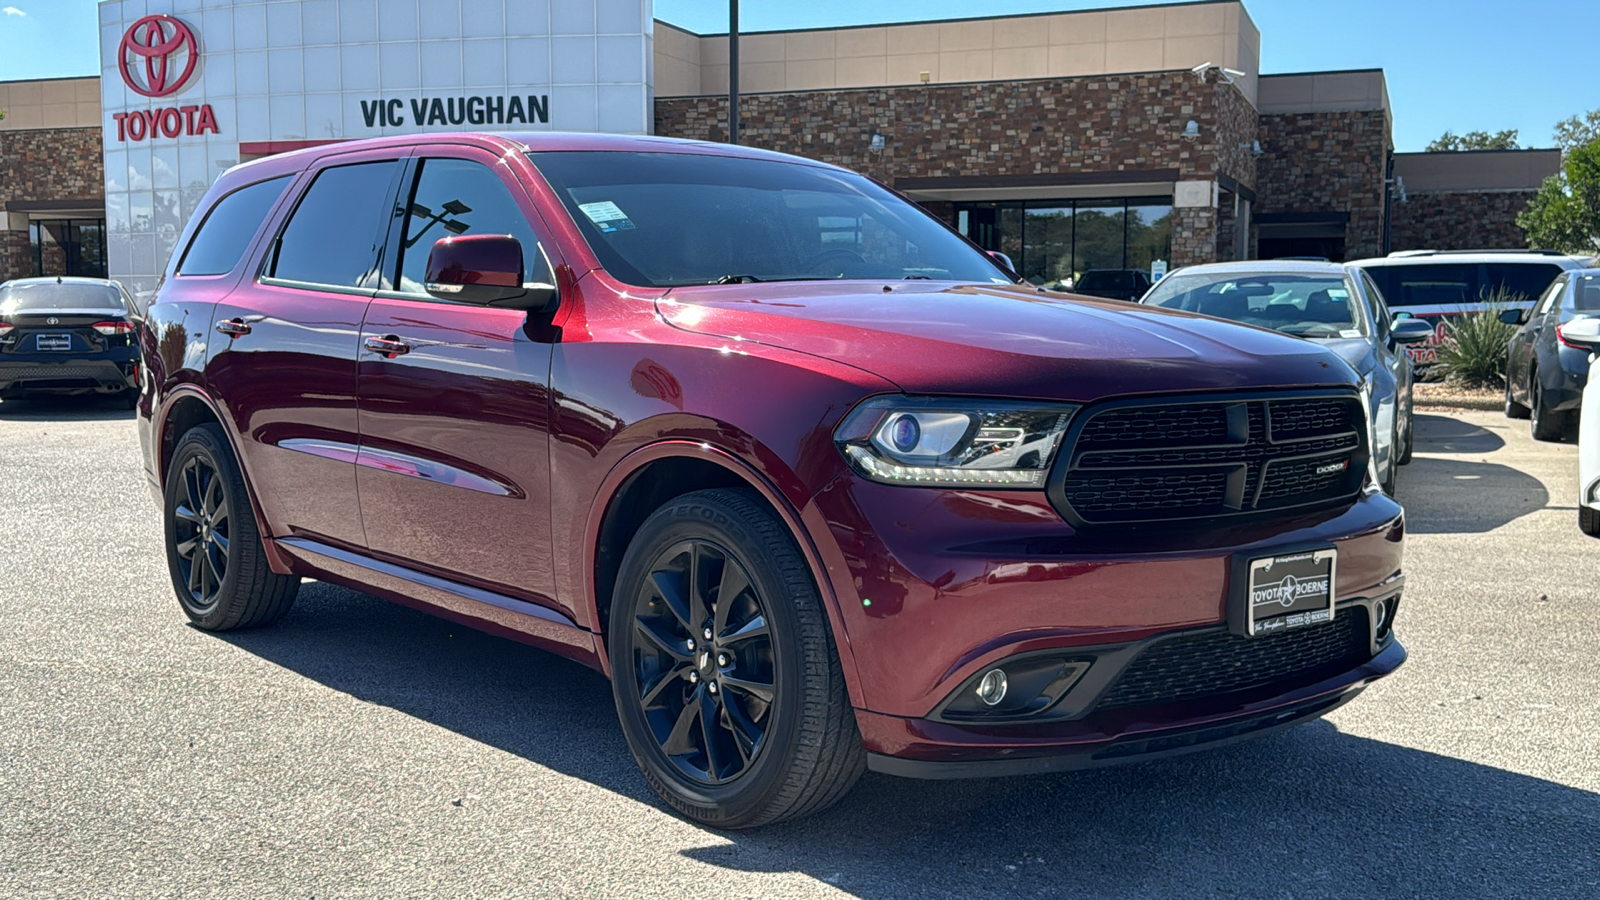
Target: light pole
{"type": "Point", "coordinates": [733, 71]}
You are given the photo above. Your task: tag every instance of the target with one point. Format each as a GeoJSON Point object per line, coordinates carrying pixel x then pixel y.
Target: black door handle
{"type": "Point", "coordinates": [389, 346]}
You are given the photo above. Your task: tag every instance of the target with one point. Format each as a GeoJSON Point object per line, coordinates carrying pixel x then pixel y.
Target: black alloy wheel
{"type": "Point", "coordinates": [203, 529]}
{"type": "Point", "coordinates": [723, 668]}
{"type": "Point", "coordinates": [704, 664]}
{"type": "Point", "coordinates": [214, 552]}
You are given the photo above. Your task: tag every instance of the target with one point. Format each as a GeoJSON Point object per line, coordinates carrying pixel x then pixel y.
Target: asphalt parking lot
{"type": "Point", "coordinates": [362, 749]}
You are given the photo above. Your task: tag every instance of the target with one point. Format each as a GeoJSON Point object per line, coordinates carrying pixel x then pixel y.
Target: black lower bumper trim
{"type": "Point", "coordinates": [1132, 749]}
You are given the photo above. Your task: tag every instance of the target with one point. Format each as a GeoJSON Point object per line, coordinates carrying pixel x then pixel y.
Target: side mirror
{"type": "Point", "coordinates": [1582, 333]}
{"type": "Point", "coordinates": [486, 270]}
{"type": "Point", "coordinates": [1513, 316]}
{"type": "Point", "coordinates": [1003, 260]}
{"type": "Point", "coordinates": [1411, 331]}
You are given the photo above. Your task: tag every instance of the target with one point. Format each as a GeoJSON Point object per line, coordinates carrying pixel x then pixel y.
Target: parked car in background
{"type": "Point", "coordinates": [1330, 303]}
{"type": "Point", "coordinates": [1585, 334]}
{"type": "Point", "coordinates": [1546, 372]}
{"type": "Point", "coordinates": [816, 500]}
{"type": "Point", "coordinates": [1434, 285]}
{"type": "Point", "coordinates": [64, 335]}
{"type": "Point", "coordinates": [1113, 284]}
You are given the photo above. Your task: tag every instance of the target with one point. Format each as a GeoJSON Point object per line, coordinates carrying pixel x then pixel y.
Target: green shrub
{"type": "Point", "coordinates": [1473, 353]}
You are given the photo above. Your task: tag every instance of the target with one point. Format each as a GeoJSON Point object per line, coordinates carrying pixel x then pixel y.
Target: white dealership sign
{"type": "Point", "coordinates": [191, 87]}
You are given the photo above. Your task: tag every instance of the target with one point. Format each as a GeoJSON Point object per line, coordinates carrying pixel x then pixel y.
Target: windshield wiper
{"type": "Point", "coordinates": [917, 278]}
{"type": "Point", "coordinates": [735, 279]}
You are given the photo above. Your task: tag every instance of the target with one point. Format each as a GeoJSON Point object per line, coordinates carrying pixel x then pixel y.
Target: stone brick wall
{"type": "Point", "coordinates": [1327, 162]}
{"type": "Point", "coordinates": [50, 164]}
{"type": "Point", "coordinates": [1094, 124]}
{"type": "Point", "coordinates": [1459, 221]}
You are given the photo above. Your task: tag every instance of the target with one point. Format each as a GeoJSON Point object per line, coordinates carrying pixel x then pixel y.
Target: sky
{"type": "Point", "coordinates": [1459, 65]}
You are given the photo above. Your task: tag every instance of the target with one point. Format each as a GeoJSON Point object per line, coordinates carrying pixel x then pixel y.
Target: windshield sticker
{"type": "Point", "coordinates": [1350, 333]}
{"type": "Point", "coordinates": [606, 216]}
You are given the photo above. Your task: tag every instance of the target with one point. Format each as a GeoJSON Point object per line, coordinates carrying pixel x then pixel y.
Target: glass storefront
{"type": "Point", "coordinates": [68, 247]}
{"type": "Point", "coordinates": [1052, 242]}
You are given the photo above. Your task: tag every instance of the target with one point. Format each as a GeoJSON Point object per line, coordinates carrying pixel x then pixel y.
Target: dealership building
{"type": "Point", "coordinates": [1133, 137]}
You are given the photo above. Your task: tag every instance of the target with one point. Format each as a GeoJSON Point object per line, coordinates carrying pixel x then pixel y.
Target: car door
{"type": "Point", "coordinates": [454, 465]}
{"type": "Point", "coordinates": [1391, 356]}
{"type": "Point", "coordinates": [284, 356]}
{"type": "Point", "coordinates": [1535, 342]}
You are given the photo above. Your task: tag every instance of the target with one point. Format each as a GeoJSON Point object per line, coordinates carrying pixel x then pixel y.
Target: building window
{"type": "Point", "coordinates": [68, 247]}
{"type": "Point", "coordinates": [1053, 242]}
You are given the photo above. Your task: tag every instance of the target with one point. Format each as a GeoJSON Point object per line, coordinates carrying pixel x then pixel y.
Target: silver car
{"type": "Point", "coordinates": [1330, 303]}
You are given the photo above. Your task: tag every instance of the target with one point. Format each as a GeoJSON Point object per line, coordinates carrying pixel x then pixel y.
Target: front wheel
{"type": "Point", "coordinates": [1514, 410]}
{"type": "Point", "coordinates": [1543, 423]}
{"type": "Point", "coordinates": [723, 667]}
{"type": "Point", "coordinates": [214, 553]}
{"type": "Point", "coordinates": [1589, 521]}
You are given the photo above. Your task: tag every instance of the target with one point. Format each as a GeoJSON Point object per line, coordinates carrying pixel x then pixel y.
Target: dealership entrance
{"type": "Point", "coordinates": [1053, 242]}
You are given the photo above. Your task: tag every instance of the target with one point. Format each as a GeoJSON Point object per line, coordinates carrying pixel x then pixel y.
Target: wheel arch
{"type": "Point", "coordinates": [652, 475]}
{"type": "Point", "coordinates": [189, 406]}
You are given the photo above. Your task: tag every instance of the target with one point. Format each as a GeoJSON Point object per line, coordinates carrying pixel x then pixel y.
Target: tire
{"type": "Point", "coordinates": [207, 507]}
{"type": "Point", "coordinates": [1544, 424]}
{"type": "Point", "coordinates": [1392, 476]}
{"type": "Point", "coordinates": [1589, 521]}
{"type": "Point", "coordinates": [1514, 410]}
{"type": "Point", "coordinates": [808, 752]}
{"type": "Point", "coordinates": [1410, 438]}
{"type": "Point", "coordinates": [129, 398]}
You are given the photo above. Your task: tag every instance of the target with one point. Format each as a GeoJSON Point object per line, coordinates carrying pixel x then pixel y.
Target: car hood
{"type": "Point", "coordinates": [1357, 352]}
{"type": "Point", "coordinates": [928, 337]}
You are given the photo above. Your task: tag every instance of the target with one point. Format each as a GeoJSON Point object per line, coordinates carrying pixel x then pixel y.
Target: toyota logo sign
{"type": "Point", "coordinates": [158, 56]}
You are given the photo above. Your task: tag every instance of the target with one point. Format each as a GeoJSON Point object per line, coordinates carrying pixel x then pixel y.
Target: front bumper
{"type": "Point", "coordinates": [111, 371]}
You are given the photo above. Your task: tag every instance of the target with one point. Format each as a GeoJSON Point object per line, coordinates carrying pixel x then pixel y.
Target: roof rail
{"type": "Point", "coordinates": [1405, 253]}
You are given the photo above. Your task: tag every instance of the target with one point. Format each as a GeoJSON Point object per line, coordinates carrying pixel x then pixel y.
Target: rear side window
{"type": "Point", "coordinates": [1587, 296]}
{"type": "Point", "coordinates": [1425, 285]}
{"type": "Point", "coordinates": [333, 237]}
{"type": "Point", "coordinates": [1525, 279]}
{"type": "Point", "coordinates": [222, 238]}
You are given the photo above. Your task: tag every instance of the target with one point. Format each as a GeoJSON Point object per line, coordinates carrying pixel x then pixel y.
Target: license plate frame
{"type": "Point", "coordinates": [56, 343]}
{"type": "Point", "coordinates": [1284, 591]}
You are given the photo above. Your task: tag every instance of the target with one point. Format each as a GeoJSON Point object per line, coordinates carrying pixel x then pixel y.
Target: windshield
{"type": "Point", "coordinates": [16, 298]}
{"type": "Point", "coordinates": [1314, 306]}
{"type": "Point", "coordinates": [671, 219]}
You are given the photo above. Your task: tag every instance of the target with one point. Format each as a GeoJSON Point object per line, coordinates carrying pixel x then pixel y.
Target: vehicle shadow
{"type": "Point", "coordinates": [1443, 434]}
{"type": "Point", "coordinates": [1454, 496]}
{"type": "Point", "coordinates": [1310, 812]}
{"type": "Point", "coordinates": [66, 408]}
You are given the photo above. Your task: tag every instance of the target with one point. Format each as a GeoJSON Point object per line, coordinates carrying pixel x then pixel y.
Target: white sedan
{"type": "Point", "coordinates": [1586, 333]}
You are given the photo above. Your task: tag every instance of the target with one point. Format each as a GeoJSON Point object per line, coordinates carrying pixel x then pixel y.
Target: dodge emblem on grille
{"type": "Point", "coordinates": [1331, 468]}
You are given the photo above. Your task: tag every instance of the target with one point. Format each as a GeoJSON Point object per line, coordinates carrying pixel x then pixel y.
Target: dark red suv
{"type": "Point", "coordinates": [799, 468]}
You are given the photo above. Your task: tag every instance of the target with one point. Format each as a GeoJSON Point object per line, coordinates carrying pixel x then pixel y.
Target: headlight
{"type": "Point", "coordinates": [953, 442]}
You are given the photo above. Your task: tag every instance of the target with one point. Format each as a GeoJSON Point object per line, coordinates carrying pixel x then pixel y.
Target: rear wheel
{"type": "Point", "coordinates": [214, 553]}
{"type": "Point", "coordinates": [1589, 521]}
{"type": "Point", "coordinates": [723, 667]}
{"type": "Point", "coordinates": [1543, 423]}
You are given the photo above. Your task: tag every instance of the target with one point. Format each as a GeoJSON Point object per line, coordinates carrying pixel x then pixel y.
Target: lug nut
{"type": "Point", "coordinates": [706, 634]}
{"type": "Point", "coordinates": [694, 677]}
{"type": "Point", "coordinates": [690, 642]}
{"type": "Point", "coordinates": [722, 659]}
{"type": "Point", "coordinates": [711, 686]}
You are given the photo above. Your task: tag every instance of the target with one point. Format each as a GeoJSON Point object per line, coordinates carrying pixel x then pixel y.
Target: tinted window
{"type": "Point", "coordinates": [1381, 317]}
{"type": "Point", "coordinates": [16, 297]}
{"type": "Point", "coordinates": [1421, 285]}
{"type": "Point", "coordinates": [1523, 280]}
{"type": "Point", "coordinates": [221, 239]}
{"type": "Point", "coordinates": [335, 233]}
{"type": "Point", "coordinates": [1587, 297]}
{"type": "Point", "coordinates": [455, 196]}
{"type": "Point", "coordinates": [1312, 306]}
{"type": "Point", "coordinates": [1105, 280]}
{"type": "Point", "coordinates": [665, 219]}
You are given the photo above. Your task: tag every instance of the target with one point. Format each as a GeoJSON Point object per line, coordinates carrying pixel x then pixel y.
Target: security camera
{"type": "Point", "coordinates": [1201, 69]}
{"type": "Point", "coordinates": [1232, 73]}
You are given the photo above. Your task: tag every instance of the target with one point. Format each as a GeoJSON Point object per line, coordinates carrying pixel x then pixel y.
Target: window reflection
{"type": "Point", "coordinates": [1054, 242]}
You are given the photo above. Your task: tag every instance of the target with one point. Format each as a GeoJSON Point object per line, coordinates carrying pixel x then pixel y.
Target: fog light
{"type": "Point", "coordinates": [992, 689]}
{"type": "Point", "coordinates": [1380, 616]}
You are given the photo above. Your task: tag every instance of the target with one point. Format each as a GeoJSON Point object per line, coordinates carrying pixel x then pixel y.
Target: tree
{"type": "Point", "coordinates": [1565, 214]}
{"type": "Point", "coordinates": [1475, 140]}
{"type": "Point", "coordinates": [1576, 131]}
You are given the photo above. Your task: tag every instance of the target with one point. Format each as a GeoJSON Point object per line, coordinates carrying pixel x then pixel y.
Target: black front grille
{"type": "Point", "coordinates": [1171, 461]}
{"type": "Point", "coordinates": [1212, 663]}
